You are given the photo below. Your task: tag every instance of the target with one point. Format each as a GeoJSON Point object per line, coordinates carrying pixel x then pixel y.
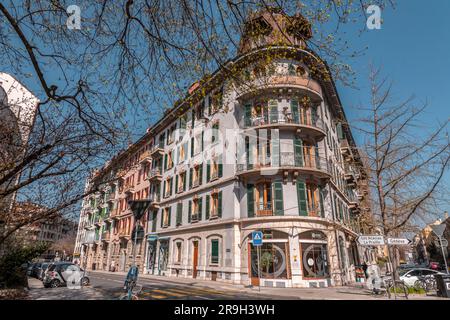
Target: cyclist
{"type": "Point", "coordinates": [131, 278]}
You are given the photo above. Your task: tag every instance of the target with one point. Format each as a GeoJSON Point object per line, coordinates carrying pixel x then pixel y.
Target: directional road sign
{"type": "Point", "coordinates": [438, 229]}
{"type": "Point", "coordinates": [371, 240]}
{"type": "Point", "coordinates": [398, 241]}
{"type": "Point", "coordinates": [257, 238]}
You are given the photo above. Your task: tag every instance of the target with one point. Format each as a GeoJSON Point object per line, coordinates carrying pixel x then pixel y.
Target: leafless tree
{"type": "Point", "coordinates": [129, 61]}
{"type": "Point", "coordinates": [408, 159]}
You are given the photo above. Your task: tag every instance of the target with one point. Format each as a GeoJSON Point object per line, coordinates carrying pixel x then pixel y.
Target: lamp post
{"type": "Point", "coordinates": [138, 207]}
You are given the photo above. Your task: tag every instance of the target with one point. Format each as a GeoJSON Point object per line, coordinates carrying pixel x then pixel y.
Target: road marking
{"type": "Point", "coordinates": [204, 298]}
{"type": "Point", "coordinates": [154, 296]}
{"type": "Point", "coordinates": [170, 292]}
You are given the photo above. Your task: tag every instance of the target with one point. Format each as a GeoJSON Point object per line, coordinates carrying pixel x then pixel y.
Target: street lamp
{"type": "Point", "coordinates": [138, 207]}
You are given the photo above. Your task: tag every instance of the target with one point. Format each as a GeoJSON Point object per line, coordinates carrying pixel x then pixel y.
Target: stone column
{"type": "Point", "coordinates": [295, 258]}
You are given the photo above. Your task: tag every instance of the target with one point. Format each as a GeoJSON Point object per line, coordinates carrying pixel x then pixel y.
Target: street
{"type": "Point", "coordinates": [109, 286]}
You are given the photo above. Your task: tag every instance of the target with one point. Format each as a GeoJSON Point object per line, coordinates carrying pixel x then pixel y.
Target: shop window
{"type": "Point", "coordinates": [273, 260]}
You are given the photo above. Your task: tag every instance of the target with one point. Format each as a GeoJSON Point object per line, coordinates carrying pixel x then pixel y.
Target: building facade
{"type": "Point", "coordinates": [261, 145]}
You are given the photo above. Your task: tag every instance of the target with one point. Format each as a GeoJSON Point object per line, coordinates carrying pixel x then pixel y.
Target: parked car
{"type": "Point", "coordinates": [412, 275]}
{"type": "Point", "coordinates": [30, 269]}
{"type": "Point", "coordinates": [42, 270]}
{"type": "Point", "coordinates": [36, 270]}
{"type": "Point", "coordinates": [58, 274]}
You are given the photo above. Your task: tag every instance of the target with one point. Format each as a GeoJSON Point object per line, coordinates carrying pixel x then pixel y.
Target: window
{"type": "Point", "coordinates": [169, 160]}
{"type": "Point", "coordinates": [171, 134]}
{"type": "Point", "coordinates": [166, 217]}
{"type": "Point", "coordinates": [214, 205]}
{"type": "Point", "coordinates": [214, 169]}
{"type": "Point", "coordinates": [214, 251]}
{"type": "Point", "coordinates": [181, 181]}
{"type": "Point", "coordinates": [196, 176]}
{"type": "Point", "coordinates": [314, 260]}
{"type": "Point", "coordinates": [197, 144]}
{"type": "Point", "coordinates": [263, 197]}
{"type": "Point", "coordinates": [195, 210]}
{"type": "Point", "coordinates": [179, 213]}
{"type": "Point", "coordinates": [168, 187]}
{"type": "Point", "coordinates": [178, 252]}
{"type": "Point", "coordinates": [215, 132]}
{"type": "Point", "coordinates": [182, 152]}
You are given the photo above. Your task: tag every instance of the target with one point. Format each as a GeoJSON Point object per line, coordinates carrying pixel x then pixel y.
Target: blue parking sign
{"type": "Point", "coordinates": [257, 237]}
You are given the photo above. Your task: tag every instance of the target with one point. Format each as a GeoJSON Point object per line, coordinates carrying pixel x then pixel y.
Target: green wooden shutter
{"type": "Point", "coordinates": [154, 221]}
{"type": "Point", "coordinates": [208, 171]}
{"type": "Point", "coordinates": [184, 182]}
{"type": "Point", "coordinates": [341, 215]}
{"type": "Point", "coordinates": [278, 192]}
{"type": "Point", "coordinates": [322, 208]}
{"type": "Point", "coordinates": [164, 188]}
{"type": "Point", "coordinates": [220, 166]}
{"type": "Point", "coordinates": [248, 115]}
{"type": "Point", "coordinates": [250, 201]}
{"type": "Point", "coordinates": [189, 211]}
{"type": "Point", "coordinates": [273, 108]}
{"type": "Point", "coordinates": [170, 186]}
{"type": "Point", "coordinates": [190, 178]}
{"type": "Point", "coordinates": [214, 251]}
{"type": "Point", "coordinates": [316, 151]}
{"type": "Point", "coordinates": [275, 152]}
{"type": "Point", "coordinates": [294, 110]}
{"type": "Point", "coordinates": [203, 140]}
{"type": "Point", "coordinates": [192, 147]}
{"type": "Point", "coordinates": [170, 211]}
{"type": "Point", "coordinates": [301, 197]}
{"type": "Point", "coordinates": [219, 200]}
{"type": "Point", "coordinates": [165, 162]}
{"type": "Point", "coordinates": [200, 204]}
{"type": "Point", "coordinates": [298, 152]}
{"type": "Point", "coordinates": [176, 183]}
{"type": "Point", "coordinates": [200, 172]}
{"type": "Point", "coordinates": [249, 155]}
{"type": "Point", "coordinates": [207, 199]}
{"type": "Point", "coordinates": [179, 213]}
{"type": "Point", "coordinates": [162, 213]}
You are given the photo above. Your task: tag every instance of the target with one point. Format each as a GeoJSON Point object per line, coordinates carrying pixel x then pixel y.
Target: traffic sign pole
{"type": "Point", "coordinates": [258, 248]}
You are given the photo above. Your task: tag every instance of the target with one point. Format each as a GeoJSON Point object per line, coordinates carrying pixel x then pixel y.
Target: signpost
{"type": "Point", "coordinates": [371, 240]}
{"type": "Point", "coordinates": [398, 241]}
{"type": "Point", "coordinates": [439, 231]}
{"type": "Point", "coordinates": [257, 239]}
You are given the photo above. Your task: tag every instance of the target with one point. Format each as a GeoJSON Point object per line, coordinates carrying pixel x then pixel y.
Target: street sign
{"type": "Point", "coordinates": [398, 241]}
{"type": "Point", "coordinates": [444, 243]}
{"type": "Point", "coordinates": [371, 240]}
{"type": "Point", "coordinates": [257, 238]}
{"type": "Point", "coordinates": [438, 229]}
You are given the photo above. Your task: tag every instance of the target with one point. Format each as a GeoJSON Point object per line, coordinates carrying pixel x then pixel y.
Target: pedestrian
{"type": "Point", "coordinates": [364, 267]}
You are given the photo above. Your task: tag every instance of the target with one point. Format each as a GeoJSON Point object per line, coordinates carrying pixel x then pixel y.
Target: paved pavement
{"type": "Point", "coordinates": [109, 286]}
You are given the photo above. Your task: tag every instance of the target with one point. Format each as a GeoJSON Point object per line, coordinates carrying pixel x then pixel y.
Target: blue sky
{"type": "Point", "coordinates": [413, 48]}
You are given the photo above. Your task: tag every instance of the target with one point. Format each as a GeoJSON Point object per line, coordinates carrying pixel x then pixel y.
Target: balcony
{"type": "Point", "coordinates": [124, 234]}
{"type": "Point", "coordinates": [346, 150]}
{"type": "Point", "coordinates": [194, 216]}
{"type": "Point", "coordinates": [155, 175]}
{"type": "Point", "coordinates": [313, 125]}
{"type": "Point", "coordinates": [157, 151]}
{"type": "Point", "coordinates": [283, 84]}
{"type": "Point", "coordinates": [145, 157]}
{"type": "Point", "coordinates": [214, 213]}
{"type": "Point", "coordinates": [195, 182]}
{"type": "Point", "coordinates": [129, 189]}
{"type": "Point", "coordinates": [106, 236]}
{"type": "Point", "coordinates": [264, 209]}
{"type": "Point", "coordinates": [288, 161]}
{"type": "Point", "coordinates": [154, 201]}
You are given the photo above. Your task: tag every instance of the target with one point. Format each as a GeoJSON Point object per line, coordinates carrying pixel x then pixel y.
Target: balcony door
{"type": "Point", "coordinates": [195, 259]}
{"type": "Point", "coordinates": [263, 197]}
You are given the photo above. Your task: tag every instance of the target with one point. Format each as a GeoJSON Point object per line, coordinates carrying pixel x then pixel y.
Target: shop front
{"type": "Point", "coordinates": [272, 268]}
{"type": "Point", "coordinates": [314, 258]}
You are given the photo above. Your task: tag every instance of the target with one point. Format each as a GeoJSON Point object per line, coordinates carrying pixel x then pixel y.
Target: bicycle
{"type": "Point", "coordinates": [427, 283]}
{"type": "Point", "coordinates": [399, 286]}
{"type": "Point", "coordinates": [132, 295]}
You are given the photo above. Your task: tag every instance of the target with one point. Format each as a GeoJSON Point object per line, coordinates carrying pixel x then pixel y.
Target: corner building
{"type": "Point", "coordinates": [262, 144]}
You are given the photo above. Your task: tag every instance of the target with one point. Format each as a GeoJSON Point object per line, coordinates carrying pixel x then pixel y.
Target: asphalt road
{"type": "Point", "coordinates": [155, 289]}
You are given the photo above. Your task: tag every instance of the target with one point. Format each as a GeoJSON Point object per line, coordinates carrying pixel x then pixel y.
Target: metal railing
{"type": "Point", "coordinates": [264, 209]}
{"type": "Point", "coordinates": [287, 159]}
{"type": "Point", "coordinates": [284, 117]}
{"type": "Point", "coordinates": [154, 173]}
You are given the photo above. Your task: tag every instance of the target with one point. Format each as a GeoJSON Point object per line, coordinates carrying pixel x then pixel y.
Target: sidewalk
{"type": "Point", "coordinates": [355, 292]}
